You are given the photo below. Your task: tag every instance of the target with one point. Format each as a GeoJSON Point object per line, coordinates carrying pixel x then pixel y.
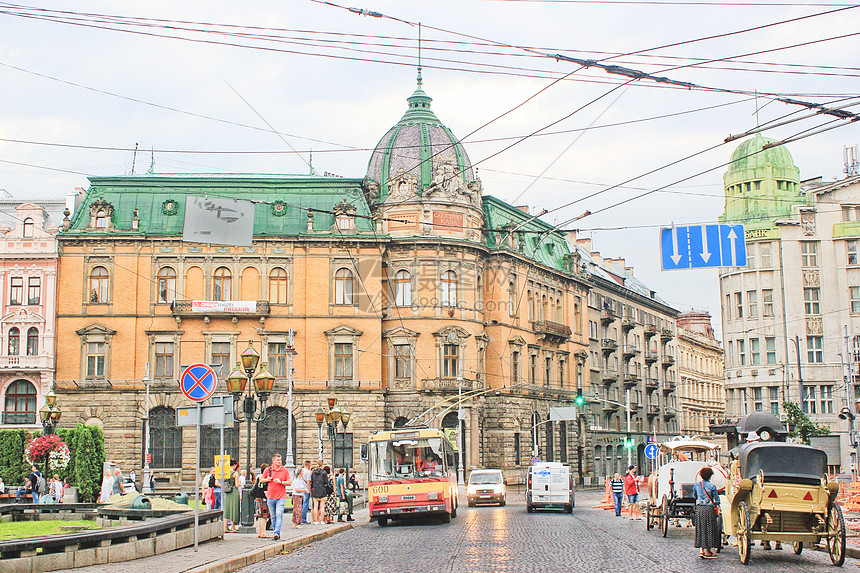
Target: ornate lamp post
{"type": "Point", "coordinates": [253, 408]}
{"type": "Point", "coordinates": [331, 416]}
{"type": "Point", "coordinates": [50, 413]}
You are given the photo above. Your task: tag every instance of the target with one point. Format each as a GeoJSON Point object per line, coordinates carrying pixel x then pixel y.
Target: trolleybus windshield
{"type": "Point", "coordinates": [407, 458]}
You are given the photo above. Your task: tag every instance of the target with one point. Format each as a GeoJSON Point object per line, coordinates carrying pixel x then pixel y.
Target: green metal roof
{"type": "Point", "coordinates": [150, 194]}
{"type": "Point", "coordinates": [533, 238]}
{"type": "Point", "coordinates": [745, 156]}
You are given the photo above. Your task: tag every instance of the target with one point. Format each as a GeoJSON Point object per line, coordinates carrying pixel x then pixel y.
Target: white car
{"type": "Point", "coordinates": [550, 486]}
{"type": "Point", "coordinates": [486, 486]}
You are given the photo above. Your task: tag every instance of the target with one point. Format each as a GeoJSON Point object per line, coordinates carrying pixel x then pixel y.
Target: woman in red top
{"type": "Point", "coordinates": [631, 490]}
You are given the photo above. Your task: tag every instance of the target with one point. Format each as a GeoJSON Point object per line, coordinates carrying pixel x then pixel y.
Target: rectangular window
{"type": "Point", "coordinates": [450, 361]}
{"type": "Point", "coordinates": [220, 358]}
{"type": "Point", "coordinates": [547, 372]}
{"type": "Point", "coordinates": [342, 447]}
{"type": "Point", "coordinates": [814, 349]}
{"type": "Point", "coordinates": [742, 357]}
{"type": "Point", "coordinates": [164, 360]}
{"type": "Point", "coordinates": [517, 455]}
{"type": "Point", "coordinates": [809, 254]}
{"type": "Point", "coordinates": [561, 373]}
{"type": "Point", "coordinates": [533, 369]}
{"type": "Point", "coordinates": [809, 406]}
{"type": "Point", "coordinates": [577, 315]}
{"type": "Point", "coordinates": [855, 299]}
{"type": "Point", "coordinates": [728, 307]}
{"type": "Point", "coordinates": [34, 290]}
{"type": "Point", "coordinates": [851, 245]}
{"type": "Point", "coordinates": [811, 300]}
{"type": "Point", "coordinates": [751, 256]}
{"type": "Point", "coordinates": [96, 359]}
{"type": "Point", "coordinates": [402, 360]}
{"type": "Point", "coordinates": [765, 255]}
{"type": "Point", "coordinates": [16, 290]}
{"type": "Point", "coordinates": [739, 304]}
{"type": "Point", "coordinates": [731, 353]}
{"type": "Point", "coordinates": [774, 400]}
{"type": "Point", "coordinates": [343, 360]}
{"type": "Point", "coordinates": [767, 302]}
{"type": "Point", "coordinates": [278, 359]}
{"type": "Point", "coordinates": [826, 399]}
{"type": "Point", "coordinates": [515, 367]}
{"type": "Point", "coordinates": [770, 347]}
{"type": "Point", "coordinates": [758, 404]}
{"type": "Point", "coordinates": [754, 352]}
{"type": "Point", "coordinates": [752, 303]}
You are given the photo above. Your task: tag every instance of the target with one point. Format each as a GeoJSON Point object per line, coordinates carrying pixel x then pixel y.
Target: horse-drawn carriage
{"type": "Point", "coordinates": [780, 492]}
{"type": "Point", "coordinates": [670, 487]}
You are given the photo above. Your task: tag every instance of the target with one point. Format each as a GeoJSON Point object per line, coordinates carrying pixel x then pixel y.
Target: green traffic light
{"type": "Point", "coordinates": [580, 399]}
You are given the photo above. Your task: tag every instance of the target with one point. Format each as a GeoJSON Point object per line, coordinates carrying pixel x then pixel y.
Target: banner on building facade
{"type": "Point", "coordinates": [218, 221]}
{"type": "Point", "coordinates": [227, 306]}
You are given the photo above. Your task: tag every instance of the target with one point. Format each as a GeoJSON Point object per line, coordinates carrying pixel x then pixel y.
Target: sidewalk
{"type": "Point", "coordinates": [234, 551]}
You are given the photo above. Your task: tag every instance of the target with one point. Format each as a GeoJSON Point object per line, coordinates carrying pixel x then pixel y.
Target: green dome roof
{"type": "Point", "coordinates": [419, 143]}
{"type": "Point", "coordinates": [745, 157]}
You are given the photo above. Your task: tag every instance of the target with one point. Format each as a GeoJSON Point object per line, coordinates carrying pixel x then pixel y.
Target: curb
{"type": "Point", "coordinates": [243, 560]}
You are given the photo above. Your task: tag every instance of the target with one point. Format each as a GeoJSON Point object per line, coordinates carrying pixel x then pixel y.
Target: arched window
{"type": "Point", "coordinates": [400, 422]}
{"type": "Point", "coordinates": [165, 438]}
{"type": "Point", "coordinates": [550, 442]}
{"type": "Point", "coordinates": [512, 299]}
{"type": "Point", "coordinates": [449, 428]}
{"type": "Point", "coordinates": [14, 341]}
{"type": "Point", "coordinates": [598, 461]}
{"type": "Point", "coordinates": [544, 313]}
{"type": "Point", "coordinates": [29, 227]}
{"type": "Point", "coordinates": [449, 288]}
{"type": "Point", "coordinates": [402, 288]}
{"type": "Point", "coordinates": [33, 341]}
{"type": "Point", "coordinates": [343, 286]}
{"type": "Point", "coordinates": [531, 301]}
{"type": "Point", "coordinates": [610, 461]}
{"type": "Point", "coordinates": [99, 284]}
{"type": "Point", "coordinates": [222, 285]}
{"type": "Point", "coordinates": [559, 310]}
{"type": "Point", "coordinates": [210, 444]}
{"type": "Point", "coordinates": [272, 435]}
{"type": "Point", "coordinates": [101, 220]}
{"type": "Point", "coordinates": [278, 286]}
{"type": "Point", "coordinates": [166, 284]}
{"type": "Point", "coordinates": [562, 442]}
{"type": "Point", "coordinates": [20, 403]}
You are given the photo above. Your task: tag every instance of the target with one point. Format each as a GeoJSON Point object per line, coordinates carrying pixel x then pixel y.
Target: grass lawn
{"type": "Point", "coordinates": [19, 529]}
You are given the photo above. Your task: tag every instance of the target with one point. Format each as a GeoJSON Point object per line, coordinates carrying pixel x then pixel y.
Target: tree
{"type": "Point", "coordinates": [13, 469]}
{"type": "Point", "coordinates": [88, 463]}
{"type": "Point", "coordinates": [799, 424]}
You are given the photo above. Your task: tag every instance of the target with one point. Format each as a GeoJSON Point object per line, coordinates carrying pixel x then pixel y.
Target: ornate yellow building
{"type": "Point", "coordinates": [397, 285]}
{"type": "Point", "coordinates": [702, 392]}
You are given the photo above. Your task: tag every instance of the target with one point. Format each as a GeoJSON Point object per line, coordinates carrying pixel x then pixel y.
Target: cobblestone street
{"type": "Point", "coordinates": [492, 539]}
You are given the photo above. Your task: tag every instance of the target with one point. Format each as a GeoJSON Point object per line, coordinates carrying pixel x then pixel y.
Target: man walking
{"type": "Point", "coordinates": [617, 492]}
{"type": "Point", "coordinates": [344, 496]}
{"type": "Point", "coordinates": [33, 478]}
{"type": "Point", "coordinates": [278, 477]}
{"type": "Point", "coordinates": [306, 495]}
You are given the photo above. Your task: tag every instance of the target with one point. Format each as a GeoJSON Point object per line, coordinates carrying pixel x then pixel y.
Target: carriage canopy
{"type": "Point", "coordinates": [781, 462]}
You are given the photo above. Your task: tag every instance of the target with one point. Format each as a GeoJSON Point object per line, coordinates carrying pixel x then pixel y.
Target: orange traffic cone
{"type": "Point", "coordinates": [607, 502]}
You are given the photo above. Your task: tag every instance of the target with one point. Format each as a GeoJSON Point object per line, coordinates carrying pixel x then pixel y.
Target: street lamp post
{"type": "Point", "coordinates": [291, 351]}
{"type": "Point", "coordinates": [50, 415]}
{"type": "Point", "coordinates": [253, 409]}
{"type": "Point", "coordinates": [146, 470]}
{"type": "Point", "coordinates": [331, 416]}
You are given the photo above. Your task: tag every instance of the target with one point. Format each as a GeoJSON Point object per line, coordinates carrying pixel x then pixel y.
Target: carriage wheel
{"type": "Point", "coordinates": [744, 533]}
{"type": "Point", "coordinates": [664, 524]}
{"type": "Point", "coordinates": [798, 547]}
{"type": "Point", "coordinates": [649, 517]}
{"type": "Point", "coordinates": [836, 534]}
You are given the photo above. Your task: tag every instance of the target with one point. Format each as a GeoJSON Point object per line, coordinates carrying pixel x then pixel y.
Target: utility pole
{"type": "Point", "coordinates": [799, 372]}
{"type": "Point", "coordinates": [291, 462]}
{"type": "Point", "coordinates": [146, 472]}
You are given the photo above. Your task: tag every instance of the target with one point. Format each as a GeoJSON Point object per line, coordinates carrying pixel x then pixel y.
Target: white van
{"type": "Point", "coordinates": [550, 485]}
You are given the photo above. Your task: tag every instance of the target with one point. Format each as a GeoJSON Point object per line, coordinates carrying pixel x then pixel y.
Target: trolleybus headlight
{"type": "Point", "coordinates": [433, 495]}
{"type": "Point", "coordinates": [382, 499]}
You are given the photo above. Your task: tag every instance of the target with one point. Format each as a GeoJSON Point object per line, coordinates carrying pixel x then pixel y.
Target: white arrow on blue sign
{"type": "Point", "coordinates": [651, 451]}
{"type": "Point", "coordinates": [700, 246]}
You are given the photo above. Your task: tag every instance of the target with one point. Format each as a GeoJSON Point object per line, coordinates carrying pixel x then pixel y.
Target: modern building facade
{"type": "Point", "coordinates": [789, 322]}
{"type": "Point", "coordinates": [28, 274]}
{"type": "Point", "coordinates": [403, 287]}
{"type": "Point", "coordinates": [701, 391]}
{"type": "Point", "coordinates": [631, 364]}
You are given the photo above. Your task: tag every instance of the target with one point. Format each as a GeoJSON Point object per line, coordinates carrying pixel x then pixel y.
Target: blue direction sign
{"type": "Point", "coordinates": [699, 246]}
{"type": "Point", "coordinates": [198, 382]}
{"type": "Point", "coordinates": [651, 451]}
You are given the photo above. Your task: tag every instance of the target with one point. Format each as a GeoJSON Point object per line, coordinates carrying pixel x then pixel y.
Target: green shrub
{"type": "Point", "coordinates": [13, 468]}
{"type": "Point", "coordinates": [89, 460]}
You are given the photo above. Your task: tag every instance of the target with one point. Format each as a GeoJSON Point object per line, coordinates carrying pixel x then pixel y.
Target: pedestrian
{"type": "Point", "coordinates": [25, 487]}
{"type": "Point", "coordinates": [231, 499]}
{"type": "Point", "coordinates": [107, 487]}
{"type": "Point", "coordinates": [57, 489]}
{"type": "Point", "coordinates": [2, 486]}
{"type": "Point", "coordinates": [353, 482]}
{"type": "Point", "coordinates": [330, 500]}
{"type": "Point", "coordinates": [707, 507]}
{"type": "Point", "coordinates": [242, 479]}
{"type": "Point", "coordinates": [617, 492]}
{"type": "Point", "coordinates": [152, 482]}
{"type": "Point", "coordinates": [278, 477]}
{"type": "Point", "coordinates": [344, 497]}
{"type": "Point", "coordinates": [319, 493]}
{"type": "Point", "coordinates": [117, 483]}
{"type": "Point", "coordinates": [215, 486]}
{"type": "Point", "coordinates": [301, 491]}
{"type": "Point", "coordinates": [65, 486]}
{"type": "Point", "coordinates": [205, 492]}
{"type": "Point", "coordinates": [34, 479]}
{"type": "Point", "coordinates": [306, 495]}
{"type": "Point", "coordinates": [261, 504]}
{"type": "Point", "coordinates": [133, 477]}
{"type": "Point", "coordinates": [631, 490]}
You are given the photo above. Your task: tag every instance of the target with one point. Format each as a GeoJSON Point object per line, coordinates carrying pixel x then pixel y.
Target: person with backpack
{"type": "Point", "coordinates": [319, 493]}
{"type": "Point", "coordinates": [37, 483]}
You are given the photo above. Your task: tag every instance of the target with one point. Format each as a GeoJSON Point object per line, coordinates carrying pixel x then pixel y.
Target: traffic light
{"type": "Point", "coordinates": [580, 399]}
{"type": "Point", "coordinates": [628, 442]}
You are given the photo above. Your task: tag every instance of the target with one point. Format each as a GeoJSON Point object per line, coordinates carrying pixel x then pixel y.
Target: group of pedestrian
{"type": "Point", "coordinates": [627, 486]}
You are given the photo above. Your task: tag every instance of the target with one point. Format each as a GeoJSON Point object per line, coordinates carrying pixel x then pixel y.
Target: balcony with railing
{"type": "Point", "coordinates": [631, 379]}
{"type": "Point", "coordinates": [650, 357]}
{"type": "Point", "coordinates": [610, 407]}
{"type": "Point", "coordinates": [19, 418]}
{"type": "Point", "coordinates": [668, 360]}
{"type": "Point", "coordinates": [653, 410]}
{"type": "Point", "coordinates": [607, 315]}
{"type": "Point", "coordinates": [635, 402]}
{"type": "Point", "coordinates": [627, 324]}
{"type": "Point", "coordinates": [666, 334]}
{"type": "Point", "coordinates": [668, 386]}
{"type": "Point", "coordinates": [650, 330]}
{"type": "Point", "coordinates": [610, 375]}
{"type": "Point", "coordinates": [552, 331]}
{"type": "Point", "coordinates": [651, 384]}
{"type": "Point", "coordinates": [608, 345]}
{"type": "Point", "coordinates": [219, 308]}
{"type": "Point", "coordinates": [15, 362]}
{"type": "Point", "coordinates": [669, 413]}
{"type": "Point", "coordinates": [630, 351]}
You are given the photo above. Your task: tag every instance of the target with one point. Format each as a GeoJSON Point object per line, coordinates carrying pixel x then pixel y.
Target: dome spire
{"type": "Point", "coordinates": [420, 82]}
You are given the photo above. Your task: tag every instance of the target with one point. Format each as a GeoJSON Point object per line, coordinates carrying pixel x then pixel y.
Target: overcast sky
{"type": "Point", "coordinates": [334, 81]}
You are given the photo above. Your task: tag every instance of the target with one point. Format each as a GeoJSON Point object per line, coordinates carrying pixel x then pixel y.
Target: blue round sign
{"type": "Point", "coordinates": [651, 451]}
{"type": "Point", "coordinates": [198, 382]}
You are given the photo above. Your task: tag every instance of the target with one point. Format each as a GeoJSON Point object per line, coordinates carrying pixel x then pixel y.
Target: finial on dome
{"type": "Point", "coordinates": [419, 55]}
